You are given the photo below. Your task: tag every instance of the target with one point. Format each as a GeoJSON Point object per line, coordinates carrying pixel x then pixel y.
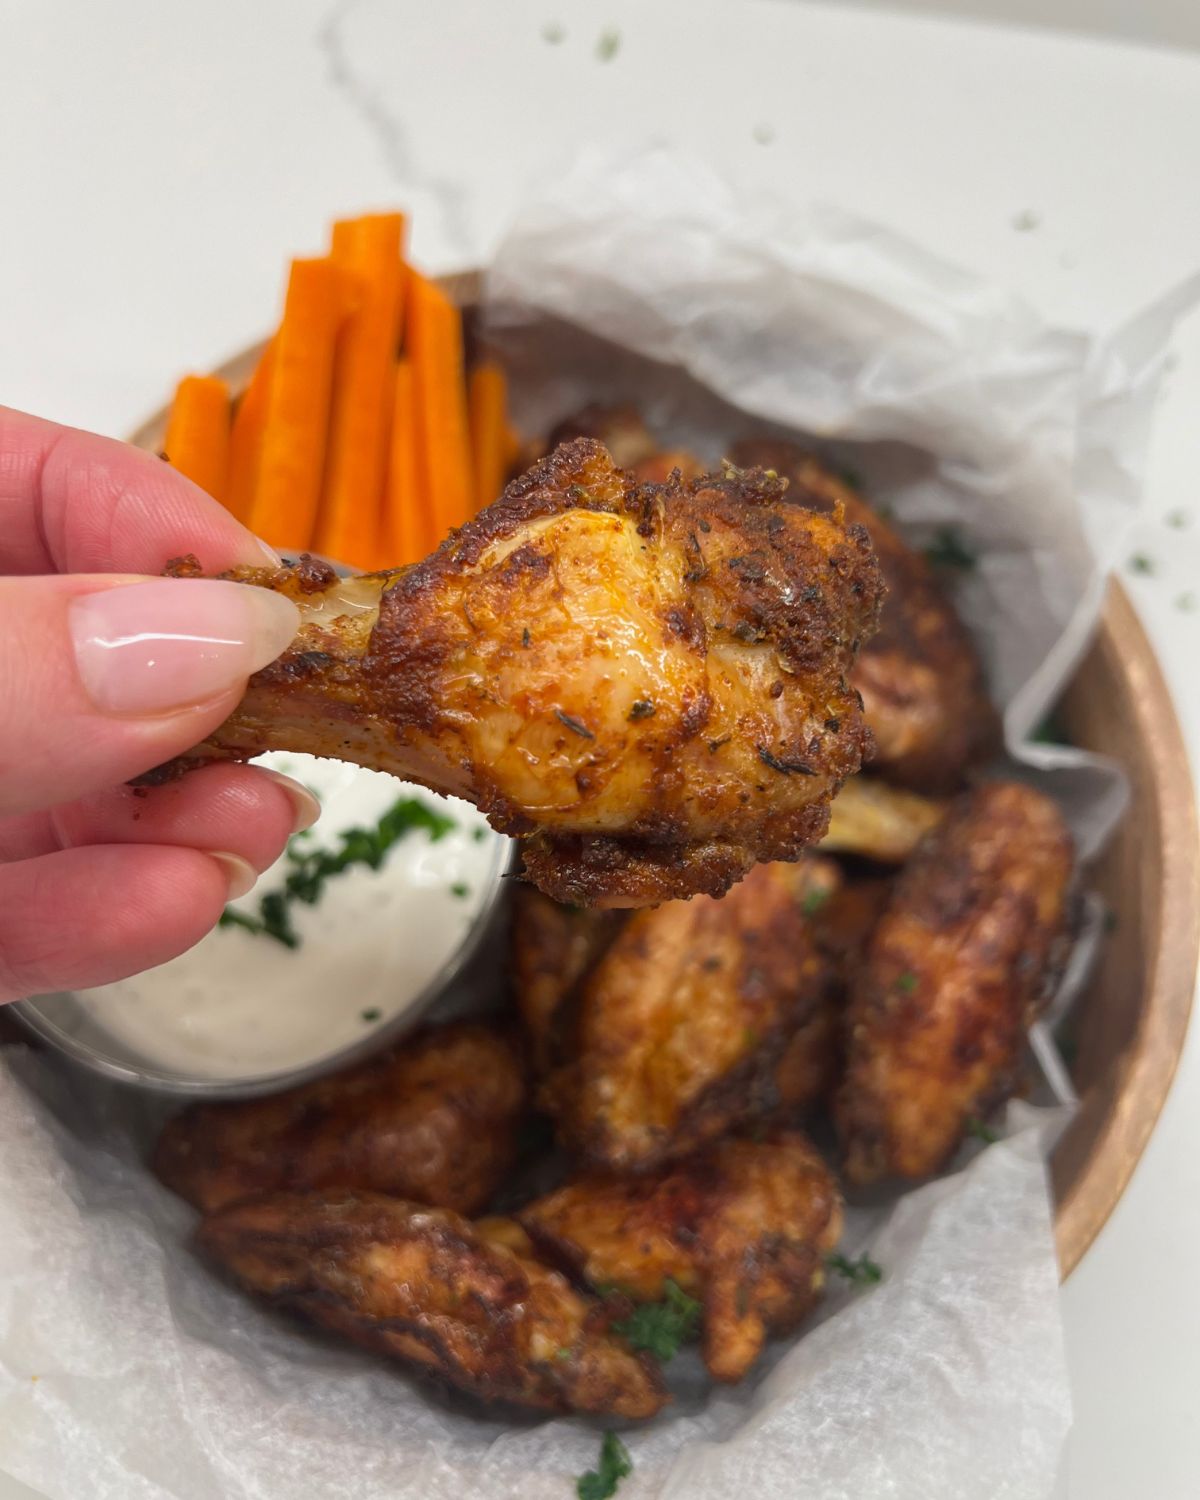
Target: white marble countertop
{"type": "Point", "coordinates": [160, 161]}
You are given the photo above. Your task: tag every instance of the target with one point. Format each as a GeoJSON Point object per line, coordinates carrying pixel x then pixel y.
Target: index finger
{"type": "Point", "coordinates": [72, 502]}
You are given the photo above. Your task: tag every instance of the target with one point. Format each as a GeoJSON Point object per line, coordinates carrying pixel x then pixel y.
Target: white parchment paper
{"type": "Point", "coordinates": [128, 1371]}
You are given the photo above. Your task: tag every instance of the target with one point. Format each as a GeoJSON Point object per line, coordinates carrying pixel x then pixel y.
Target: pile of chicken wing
{"type": "Point", "coordinates": [874, 991]}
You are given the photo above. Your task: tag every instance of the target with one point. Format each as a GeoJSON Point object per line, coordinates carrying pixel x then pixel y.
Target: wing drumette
{"type": "Point", "coordinates": [647, 682]}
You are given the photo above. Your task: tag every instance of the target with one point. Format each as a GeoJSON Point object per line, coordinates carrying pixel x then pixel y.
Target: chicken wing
{"type": "Point", "coordinates": [745, 1227]}
{"type": "Point", "coordinates": [426, 1287]}
{"type": "Point", "coordinates": [553, 947]}
{"type": "Point", "coordinates": [876, 821]}
{"type": "Point", "coordinates": [968, 947]}
{"type": "Point", "coordinates": [678, 1028]}
{"type": "Point", "coordinates": [646, 683]}
{"type": "Point", "coordinates": [919, 675]}
{"type": "Point", "coordinates": [435, 1120]}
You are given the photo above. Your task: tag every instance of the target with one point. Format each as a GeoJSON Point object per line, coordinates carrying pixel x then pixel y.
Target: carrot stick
{"type": "Point", "coordinates": [349, 523]}
{"type": "Point", "coordinates": [245, 444]}
{"type": "Point", "coordinates": [487, 399]}
{"type": "Point", "coordinates": [408, 534]}
{"type": "Point", "coordinates": [443, 449]}
{"type": "Point", "coordinates": [197, 442]}
{"type": "Point", "coordinates": [287, 488]}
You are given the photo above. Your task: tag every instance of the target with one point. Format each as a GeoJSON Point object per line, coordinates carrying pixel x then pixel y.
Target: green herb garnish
{"type": "Point", "coordinates": [311, 868]}
{"type": "Point", "coordinates": [373, 1014]}
{"type": "Point", "coordinates": [861, 1272]}
{"type": "Point", "coordinates": [948, 550]}
{"type": "Point", "coordinates": [906, 983]}
{"type": "Point", "coordinates": [642, 709]}
{"type": "Point", "coordinates": [814, 901]}
{"type": "Point", "coordinates": [1187, 603]}
{"type": "Point", "coordinates": [661, 1327]}
{"type": "Point", "coordinates": [602, 1481]}
{"type": "Point", "coordinates": [982, 1132]}
{"type": "Point", "coordinates": [1141, 563]}
{"type": "Point", "coordinates": [1049, 732]}
{"type": "Point", "coordinates": [478, 834]}
{"type": "Point", "coordinates": [1179, 519]}
{"type": "Point", "coordinates": [460, 889]}
{"type": "Point", "coordinates": [607, 46]}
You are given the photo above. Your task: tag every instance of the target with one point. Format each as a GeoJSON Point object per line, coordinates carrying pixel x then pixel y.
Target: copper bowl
{"type": "Point", "coordinates": [1135, 1012]}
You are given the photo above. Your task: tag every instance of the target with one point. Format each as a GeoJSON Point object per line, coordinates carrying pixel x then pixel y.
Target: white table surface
{"type": "Point", "coordinates": [160, 161]}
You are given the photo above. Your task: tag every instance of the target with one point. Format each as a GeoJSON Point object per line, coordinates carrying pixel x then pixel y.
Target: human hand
{"type": "Point", "coordinates": [107, 670]}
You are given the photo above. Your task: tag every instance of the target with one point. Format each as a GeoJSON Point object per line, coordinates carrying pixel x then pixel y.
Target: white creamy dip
{"type": "Point", "coordinates": [240, 1004]}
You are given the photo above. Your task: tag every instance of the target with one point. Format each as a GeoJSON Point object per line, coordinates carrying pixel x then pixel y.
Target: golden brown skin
{"type": "Point", "coordinates": [967, 949]}
{"type": "Point", "coordinates": [678, 1027]}
{"type": "Point", "coordinates": [646, 683]}
{"type": "Point", "coordinates": [745, 1227]}
{"type": "Point", "coordinates": [436, 1120]}
{"type": "Point", "coordinates": [430, 1289]}
{"type": "Point", "coordinates": [920, 677]}
{"type": "Point", "coordinates": [876, 821]}
{"type": "Point", "coordinates": [812, 1062]}
{"type": "Point", "coordinates": [552, 948]}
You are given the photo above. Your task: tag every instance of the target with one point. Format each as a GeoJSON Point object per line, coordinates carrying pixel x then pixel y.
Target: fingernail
{"type": "Point", "coordinates": [240, 873]}
{"type": "Point", "coordinates": [148, 648]}
{"type": "Point", "coordinates": [306, 809]}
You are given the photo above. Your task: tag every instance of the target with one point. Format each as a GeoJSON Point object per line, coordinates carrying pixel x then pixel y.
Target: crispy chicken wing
{"type": "Point", "coordinates": [435, 1120]}
{"type": "Point", "coordinates": [919, 675]}
{"type": "Point", "coordinates": [679, 1026]}
{"type": "Point", "coordinates": [876, 821]}
{"type": "Point", "coordinates": [744, 1227]}
{"type": "Point", "coordinates": [427, 1287]}
{"type": "Point", "coordinates": [967, 948]}
{"type": "Point", "coordinates": [553, 947]}
{"type": "Point", "coordinates": [647, 683]}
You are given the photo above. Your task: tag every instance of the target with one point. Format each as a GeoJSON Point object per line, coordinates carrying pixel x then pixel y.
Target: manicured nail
{"type": "Point", "coordinates": [240, 873]}
{"type": "Point", "coordinates": [148, 648]}
{"type": "Point", "coordinates": [306, 809]}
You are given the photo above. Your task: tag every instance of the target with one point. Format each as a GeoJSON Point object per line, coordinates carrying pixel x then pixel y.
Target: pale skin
{"type": "Point", "coordinates": [107, 670]}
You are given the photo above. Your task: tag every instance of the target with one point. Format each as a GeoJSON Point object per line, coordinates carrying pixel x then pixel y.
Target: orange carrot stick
{"type": "Point", "coordinates": [487, 399]}
{"type": "Point", "coordinates": [197, 441]}
{"type": "Point", "coordinates": [349, 523]}
{"type": "Point", "coordinates": [245, 444]}
{"type": "Point", "coordinates": [408, 533]}
{"type": "Point", "coordinates": [435, 345]}
{"type": "Point", "coordinates": [287, 488]}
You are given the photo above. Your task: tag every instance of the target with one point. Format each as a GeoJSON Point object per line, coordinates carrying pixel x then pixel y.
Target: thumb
{"type": "Point", "coordinates": [104, 677]}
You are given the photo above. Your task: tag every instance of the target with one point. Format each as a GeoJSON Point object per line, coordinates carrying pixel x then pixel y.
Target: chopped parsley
{"type": "Point", "coordinates": [982, 1132]}
{"type": "Point", "coordinates": [1141, 563]}
{"type": "Point", "coordinates": [1179, 519]}
{"type": "Point", "coordinates": [948, 550]}
{"type": "Point", "coordinates": [312, 868]}
{"type": "Point", "coordinates": [661, 1327]}
{"type": "Point", "coordinates": [602, 1481]}
{"type": "Point", "coordinates": [460, 888]}
{"type": "Point", "coordinates": [814, 901]}
{"type": "Point", "coordinates": [373, 1014]}
{"type": "Point", "coordinates": [861, 1272]}
{"type": "Point", "coordinates": [906, 983]}
{"type": "Point", "coordinates": [608, 44]}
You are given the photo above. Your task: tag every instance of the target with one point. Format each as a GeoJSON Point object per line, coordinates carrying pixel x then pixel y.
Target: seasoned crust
{"type": "Point", "coordinates": [648, 682]}
{"type": "Point", "coordinates": [453, 1300]}
{"type": "Point", "coordinates": [435, 1119]}
{"type": "Point", "coordinates": [920, 676]}
{"type": "Point", "coordinates": [743, 1226]}
{"type": "Point", "coordinates": [969, 946]}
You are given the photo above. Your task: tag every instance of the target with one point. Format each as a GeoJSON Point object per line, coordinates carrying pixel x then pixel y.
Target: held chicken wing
{"type": "Point", "coordinates": [435, 1120]}
{"type": "Point", "coordinates": [430, 1289]}
{"type": "Point", "coordinates": [968, 947]}
{"type": "Point", "coordinates": [647, 683]}
{"type": "Point", "coordinates": [744, 1227]}
{"type": "Point", "coordinates": [920, 677]}
{"type": "Point", "coordinates": [678, 1028]}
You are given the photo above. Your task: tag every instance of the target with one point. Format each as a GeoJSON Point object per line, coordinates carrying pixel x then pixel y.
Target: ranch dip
{"type": "Point", "coordinates": [241, 1003]}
